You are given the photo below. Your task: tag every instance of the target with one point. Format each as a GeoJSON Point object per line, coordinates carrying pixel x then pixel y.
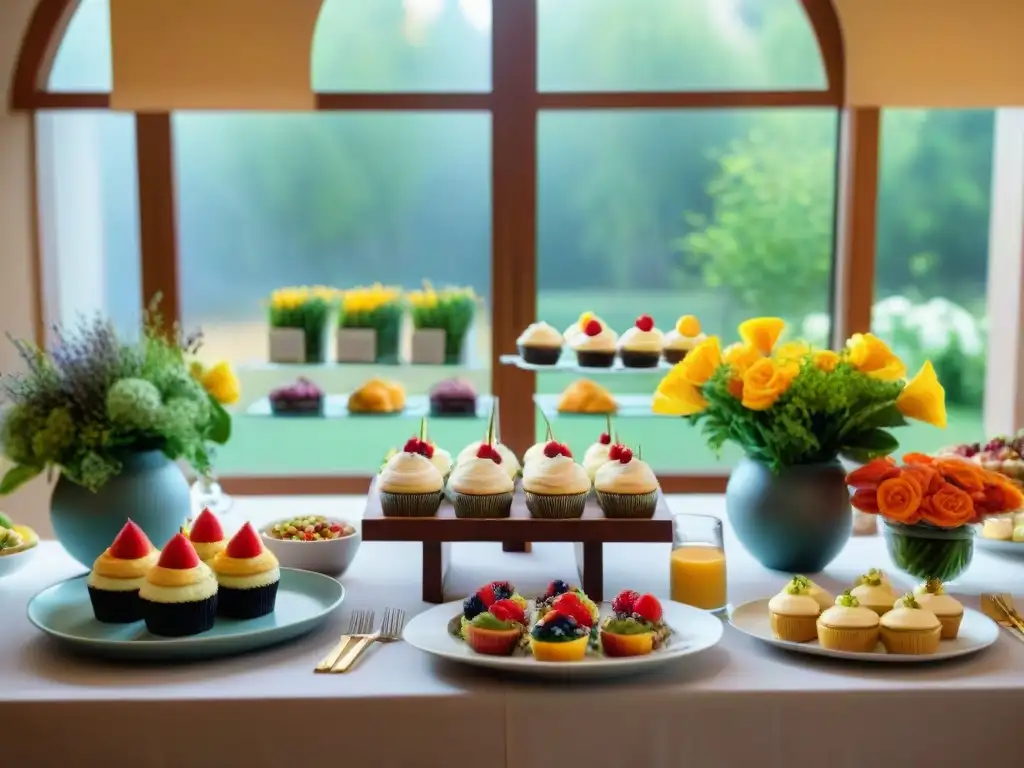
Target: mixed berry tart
{"type": "Point", "coordinates": [453, 397]}
{"type": "Point", "coordinates": [301, 398]}
{"type": "Point", "coordinates": [497, 631]}
{"type": "Point", "coordinates": [206, 535]}
{"type": "Point", "coordinates": [481, 600]}
{"type": "Point", "coordinates": [635, 627]}
{"type": "Point", "coordinates": [118, 575]}
{"type": "Point", "coordinates": [542, 604]}
{"type": "Point", "coordinates": [179, 596]}
{"type": "Point", "coordinates": [641, 345]}
{"type": "Point", "coordinates": [564, 632]}
{"type": "Point", "coordinates": [595, 347]}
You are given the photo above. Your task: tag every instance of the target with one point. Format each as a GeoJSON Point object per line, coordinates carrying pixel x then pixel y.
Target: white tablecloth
{"type": "Point", "coordinates": [739, 704]}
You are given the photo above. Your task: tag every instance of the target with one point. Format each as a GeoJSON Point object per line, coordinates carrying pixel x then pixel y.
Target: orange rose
{"type": "Point", "coordinates": [917, 458]}
{"type": "Point", "coordinates": [949, 507]}
{"type": "Point", "coordinates": [928, 477]}
{"type": "Point", "coordinates": [899, 499]}
{"type": "Point", "coordinates": [865, 499]}
{"type": "Point", "coordinates": [1000, 495]}
{"type": "Point", "coordinates": [871, 474]}
{"type": "Point", "coordinates": [962, 474]}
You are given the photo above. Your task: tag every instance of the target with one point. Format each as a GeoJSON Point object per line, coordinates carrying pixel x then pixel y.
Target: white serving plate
{"type": "Point", "coordinates": [1015, 548]}
{"type": "Point", "coordinates": [977, 632]}
{"type": "Point", "coordinates": [693, 631]}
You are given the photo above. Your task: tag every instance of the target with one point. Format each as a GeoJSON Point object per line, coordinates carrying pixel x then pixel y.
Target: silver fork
{"type": "Point", "coordinates": [360, 623]}
{"type": "Point", "coordinates": [389, 632]}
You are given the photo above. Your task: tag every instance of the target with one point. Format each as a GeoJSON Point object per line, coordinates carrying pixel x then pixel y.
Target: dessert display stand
{"type": "Point", "coordinates": [569, 365]}
{"type": "Point", "coordinates": [589, 533]}
{"type": "Point", "coordinates": [416, 406]}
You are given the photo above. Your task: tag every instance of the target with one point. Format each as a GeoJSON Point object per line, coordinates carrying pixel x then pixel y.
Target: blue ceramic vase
{"type": "Point", "coordinates": [795, 521]}
{"type": "Point", "coordinates": [151, 490]}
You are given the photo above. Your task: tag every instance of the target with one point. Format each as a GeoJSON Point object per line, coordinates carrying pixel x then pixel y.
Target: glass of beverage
{"type": "Point", "coordinates": [698, 562]}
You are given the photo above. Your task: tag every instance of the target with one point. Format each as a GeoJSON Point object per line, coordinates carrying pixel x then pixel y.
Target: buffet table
{"type": "Point", "coordinates": [741, 703]}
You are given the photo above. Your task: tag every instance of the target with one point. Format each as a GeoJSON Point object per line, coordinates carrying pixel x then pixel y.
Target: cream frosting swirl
{"type": "Point", "coordinates": [934, 598]}
{"type": "Point", "coordinates": [902, 618]}
{"type": "Point", "coordinates": [577, 328]}
{"type": "Point", "coordinates": [534, 453]}
{"type": "Point", "coordinates": [642, 341]}
{"type": "Point", "coordinates": [675, 340]}
{"type": "Point", "coordinates": [803, 585]}
{"type": "Point", "coordinates": [480, 477]}
{"type": "Point", "coordinates": [602, 342]}
{"type": "Point", "coordinates": [847, 613]}
{"type": "Point", "coordinates": [540, 335]}
{"type": "Point", "coordinates": [111, 567]}
{"type": "Point", "coordinates": [787, 604]}
{"type": "Point", "coordinates": [509, 461]}
{"type": "Point", "coordinates": [442, 460]}
{"type": "Point", "coordinates": [410, 473]}
{"type": "Point", "coordinates": [595, 458]}
{"type": "Point", "coordinates": [558, 475]}
{"type": "Point", "coordinates": [634, 477]}
{"type": "Point", "coordinates": [873, 595]}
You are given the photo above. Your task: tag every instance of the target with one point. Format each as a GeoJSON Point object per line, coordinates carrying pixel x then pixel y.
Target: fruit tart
{"type": "Point", "coordinates": [481, 600]}
{"type": "Point", "coordinates": [247, 576]}
{"type": "Point", "coordinates": [207, 535]}
{"type": "Point", "coordinates": [556, 487]}
{"type": "Point", "coordinates": [497, 631]}
{"type": "Point", "coordinates": [635, 627]}
{"type": "Point", "coordinates": [301, 398]}
{"type": "Point", "coordinates": [118, 575]}
{"type": "Point", "coordinates": [641, 345]}
{"type": "Point", "coordinates": [564, 632]}
{"type": "Point", "coordinates": [544, 603]}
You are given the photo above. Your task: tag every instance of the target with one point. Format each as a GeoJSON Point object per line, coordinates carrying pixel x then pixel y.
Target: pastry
{"type": "Point", "coordinates": [179, 595]}
{"type": "Point", "coordinates": [303, 398]}
{"type": "Point", "coordinates": [483, 598]}
{"type": "Point", "coordinates": [118, 574]}
{"type": "Point", "coordinates": [909, 628]}
{"type": "Point", "coordinates": [453, 397]}
{"type": "Point", "coordinates": [595, 347]}
{"type": "Point", "coordinates": [848, 626]}
{"type": "Point", "coordinates": [544, 603]}
{"type": "Point", "coordinates": [481, 486]}
{"type": "Point", "coordinates": [540, 344]}
{"type": "Point", "coordinates": [247, 576]}
{"type": "Point", "coordinates": [377, 396]}
{"type": "Point", "coordinates": [874, 592]}
{"type": "Point", "coordinates": [635, 627]}
{"type": "Point", "coordinates": [680, 340]}
{"type": "Point", "coordinates": [641, 345]}
{"type": "Point", "coordinates": [576, 329]}
{"type": "Point", "coordinates": [947, 609]}
{"type": "Point", "coordinates": [509, 463]}
{"type": "Point", "coordinates": [626, 485]}
{"type": "Point", "coordinates": [555, 487]}
{"type": "Point", "coordinates": [410, 485]}
{"type": "Point", "coordinates": [585, 396]}
{"type": "Point", "coordinates": [206, 535]}
{"type": "Point", "coordinates": [998, 528]}
{"type": "Point", "coordinates": [597, 453]}
{"type": "Point", "coordinates": [794, 613]}
{"type": "Point", "coordinates": [497, 630]}
{"type": "Point", "coordinates": [563, 633]}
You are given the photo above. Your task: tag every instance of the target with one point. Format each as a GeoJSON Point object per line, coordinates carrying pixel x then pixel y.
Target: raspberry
{"type": "Point", "coordinates": [605, 439]}
{"type": "Point", "coordinates": [624, 601]}
{"type": "Point", "coordinates": [648, 608]}
{"type": "Point", "coordinates": [552, 449]}
{"type": "Point", "coordinates": [626, 456]}
{"type": "Point", "coordinates": [512, 610]}
{"type": "Point", "coordinates": [501, 612]}
{"type": "Point", "coordinates": [615, 452]}
{"type": "Point", "coordinates": [486, 595]}
{"type": "Point", "coordinates": [426, 449]}
{"type": "Point", "coordinates": [486, 451]}
{"type": "Point", "coordinates": [645, 323]}
{"type": "Point", "coordinates": [412, 445]}
{"type": "Point", "coordinates": [592, 328]}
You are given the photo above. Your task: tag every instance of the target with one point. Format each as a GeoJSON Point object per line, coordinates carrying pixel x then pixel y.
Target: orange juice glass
{"type": "Point", "coordinates": [697, 567]}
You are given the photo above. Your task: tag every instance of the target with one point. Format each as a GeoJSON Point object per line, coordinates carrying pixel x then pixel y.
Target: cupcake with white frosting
{"type": "Point", "coordinates": [626, 485]}
{"type": "Point", "coordinates": [947, 609]}
{"type": "Point", "coordinates": [555, 487]}
{"type": "Point", "coordinates": [794, 613]}
{"type": "Point", "coordinates": [848, 626]}
{"type": "Point", "coordinates": [509, 462]}
{"type": "Point", "coordinates": [480, 487]}
{"type": "Point", "coordinates": [910, 628]}
{"type": "Point", "coordinates": [873, 591]}
{"type": "Point", "coordinates": [410, 485]}
{"type": "Point", "coordinates": [595, 347]}
{"type": "Point", "coordinates": [576, 329]}
{"type": "Point", "coordinates": [596, 454]}
{"type": "Point", "coordinates": [641, 345]}
{"type": "Point", "coordinates": [682, 339]}
{"type": "Point", "coordinates": [437, 456]}
{"type": "Point", "coordinates": [540, 344]}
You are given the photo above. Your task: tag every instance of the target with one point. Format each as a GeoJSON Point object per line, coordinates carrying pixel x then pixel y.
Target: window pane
{"type": "Point", "coordinates": [82, 63]}
{"type": "Point", "coordinates": [932, 262]}
{"type": "Point", "coordinates": [403, 45]}
{"type": "Point", "coordinates": [720, 214]}
{"type": "Point", "coordinates": [664, 45]}
{"type": "Point", "coordinates": [89, 217]}
{"type": "Point", "coordinates": [267, 201]}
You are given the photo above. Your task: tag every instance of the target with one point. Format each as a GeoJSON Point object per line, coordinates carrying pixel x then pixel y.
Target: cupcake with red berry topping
{"type": "Point", "coordinates": [641, 345]}
{"type": "Point", "coordinates": [547, 601]}
{"type": "Point", "coordinates": [206, 535]}
{"type": "Point", "coordinates": [575, 330]}
{"type": "Point", "coordinates": [118, 575]}
{"type": "Point", "coordinates": [681, 339]}
{"type": "Point", "coordinates": [598, 454]}
{"type": "Point", "coordinates": [481, 487]}
{"type": "Point", "coordinates": [635, 627]}
{"type": "Point", "coordinates": [626, 485]}
{"type": "Point", "coordinates": [540, 344]}
{"type": "Point", "coordinates": [179, 595]}
{"type": "Point", "coordinates": [439, 457]}
{"type": "Point", "coordinates": [248, 576]}
{"type": "Point", "coordinates": [555, 487]}
{"type": "Point", "coordinates": [410, 485]}
{"type": "Point", "coordinates": [564, 632]}
{"type": "Point", "coordinates": [595, 347]}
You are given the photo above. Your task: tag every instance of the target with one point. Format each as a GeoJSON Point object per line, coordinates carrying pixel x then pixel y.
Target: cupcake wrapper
{"type": "Point", "coordinates": [851, 640]}
{"type": "Point", "coordinates": [548, 506]}
{"type": "Point", "coordinates": [632, 359]}
{"type": "Point", "coordinates": [795, 629]}
{"type": "Point", "coordinates": [911, 642]}
{"type": "Point", "coordinates": [410, 504]}
{"type": "Point", "coordinates": [950, 626]}
{"type": "Point", "coordinates": [246, 603]}
{"type": "Point", "coordinates": [673, 356]}
{"type": "Point", "coordinates": [492, 642]}
{"type": "Point", "coordinates": [180, 619]}
{"type": "Point", "coordinates": [639, 506]}
{"type": "Point", "coordinates": [627, 645]}
{"type": "Point", "coordinates": [540, 355]}
{"type": "Point", "coordinates": [595, 359]}
{"type": "Point", "coordinates": [116, 607]}
{"type": "Point", "coordinates": [493, 505]}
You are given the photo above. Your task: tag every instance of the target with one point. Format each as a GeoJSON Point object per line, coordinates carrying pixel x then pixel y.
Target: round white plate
{"type": "Point", "coordinates": [1015, 548]}
{"type": "Point", "coordinates": [693, 631]}
{"type": "Point", "coordinates": [976, 633]}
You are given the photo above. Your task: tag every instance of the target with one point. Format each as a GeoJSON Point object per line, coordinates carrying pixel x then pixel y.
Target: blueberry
{"type": "Point", "coordinates": [557, 587]}
{"type": "Point", "coordinates": [502, 590]}
{"type": "Point", "coordinates": [472, 607]}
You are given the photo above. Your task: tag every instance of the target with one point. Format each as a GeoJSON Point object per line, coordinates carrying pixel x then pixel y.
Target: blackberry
{"type": "Point", "coordinates": [558, 628]}
{"type": "Point", "coordinates": [502, 590]}
{"type": "Point", "coordinates": [472, 607]}
{"type": "Point", "coordinates": [557, 587]}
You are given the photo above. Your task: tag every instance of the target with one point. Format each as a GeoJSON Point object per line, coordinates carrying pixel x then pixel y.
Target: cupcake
{"type": "Point", "coordinates": [207, 536]}
{"type": "Point", "coordinates": [439, 457]}
{"type": "Point", "coordinates": [555, 487]}
{"type": "Point", "coordinates": [932, 597]}
{"type": "Point", "coordinates": [909, 628]}
{"type": "Point", "coordinates": [576, 329]}
{"type": "Point", "coordinates": [410, 485]}
{"type": "Point", "coordinates": [497, 630]}
{"type": "Point", "coordinates": [640, 346]}
{"type": "Point", "coordinates": [546, 602]}
{"type": "Point", "coordinates": [825, 600]}
{"type": "Point", "coordinates": [453, 397]}
{"type": "Point", "coordinates": [635, 627]}
{"type": "Point", "coordinates": [595, 347]}
{"type": "Point", "coordinates": [681, 339]}
{"type": "Point", "coordinates": [626, 485]}
{"type": "Point", "coordinates": [484, 598]}
{"type": "Point", "coordinates": [873, 591]}
{"type": "Point", "coordinates": [247, 576]}
{"type": "Point", "coordinates": [509, 462]}
{"type": "Point", "coordinates": [794, 613]}
{"type": "Point", "coordinates": [481, 487]}
{"type": "Point", "coordinates": [118, 575]}
{"type": "Point", "coordinates": [179, 595]}
{"type": "Point", "coordinates": [540, 344]}
{"type": "Point", "coordinates": [563, 633]}
{"type": "Point", "coordinates": [848, 626]}
{"type": "Point", "coordinates": [596, 454]}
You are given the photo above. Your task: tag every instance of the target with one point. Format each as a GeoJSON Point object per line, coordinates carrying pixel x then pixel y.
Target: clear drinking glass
{"type": "Point", "coordinates": [697, 566]}
{"type": "Point", "coordinates": [206, 493]}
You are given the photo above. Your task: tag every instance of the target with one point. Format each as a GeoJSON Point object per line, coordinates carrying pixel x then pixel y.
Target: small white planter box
{"type": "Point", "coordinates": [428, 346]}
{"type": "Point", "coordinates": [287, 345]}
{"type": "Point", "coordinates": [356, 345]}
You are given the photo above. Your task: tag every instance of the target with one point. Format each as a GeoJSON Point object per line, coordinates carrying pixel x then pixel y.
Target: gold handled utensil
{"type": "Point", "coordinates": [1000, 608]}
{"type": "Point", "coordinates": [359, 623]}
{"type": "Point", "coordinates": [389, 632]}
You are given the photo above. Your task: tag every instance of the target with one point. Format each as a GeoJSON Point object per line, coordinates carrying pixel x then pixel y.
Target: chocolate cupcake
{"type": "Point", "coordinates": [681, 339]}
{"type": "Point", "coordinates": [179, 596]}
{"type": "Point", "coordinates": [453, 397]}
{"type": "Point", "coordinates": [247, 576]}
{"type": "Point", "coordinates": [595, 347]}
{"type": "Point", "coordinates": [640, 346]}
{"type": "Point", "coordinates": [540, 344]}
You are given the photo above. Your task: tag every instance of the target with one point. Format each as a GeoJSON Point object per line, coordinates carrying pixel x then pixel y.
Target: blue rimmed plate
{"type": "Point", "coordinates": [304, 600]}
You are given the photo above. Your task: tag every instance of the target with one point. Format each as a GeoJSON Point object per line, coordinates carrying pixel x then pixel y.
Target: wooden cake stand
{"type": "Point", "coordinates": [589, 533]}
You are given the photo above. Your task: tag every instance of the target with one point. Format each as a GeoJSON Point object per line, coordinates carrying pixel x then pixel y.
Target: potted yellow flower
{"type": "Point", "coordinates": [370, 325]}
{"type": "Point", "coordinates": [794, 411]}
{"type": "Point", "coordinates": [441, 321]}
{"type": "Point", "coordinates": [299, 318]}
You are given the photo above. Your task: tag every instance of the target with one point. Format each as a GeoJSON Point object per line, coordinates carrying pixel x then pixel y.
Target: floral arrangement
{"type": "Point", "coordinates": [93, 397]}
{"type": "Point", "coordinates": [450, 309]}
{"type": "Point", "coordinates": [309, 309]}
{"type": "Point", "coordinates": [379, 307]}
{"type": "Point", "coordinates": [789, 404]}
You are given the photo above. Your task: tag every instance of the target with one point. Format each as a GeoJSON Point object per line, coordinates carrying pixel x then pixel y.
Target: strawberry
{"type": "Point", "coordinates": [605, 439]}
{"type": "Point", "coordinates": [626, 456]}
{"type": "Point", "coordinates": [645, 323]}
{"type": "Point", "coordinates": [501, 612]}
{"type": "Point", "coordinates": [624, 601]}
{"type": "Point", "coordinates": [553, 449]}
{"type": "Point", "coordinates": [512, 610]}
{"type": "Point", "coordinates": [486, 595]}
{"type": "Point", "coordinates": [648, 608]}
{"type": "Point", "coordinates": [570, 604]}
{"type": "Point", "coordinates": [592, 328]}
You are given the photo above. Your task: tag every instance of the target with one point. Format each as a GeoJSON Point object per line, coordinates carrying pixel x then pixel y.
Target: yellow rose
{"type": "Point", "coordinates": [762, 333]}
{"type": "Point", "coordinates": [741, 356]}
{"type": "Point", "coordinates": [701, 362]}
{"type": "Point", "coordinates": [872, 356]}
{"type": "Point", "coordinates": [923, 398]}
{"type": "Point", "coordinates": [793, 350]}
{"type": "Point", "coordinates": [765, 382]}
{"type": "Point", "coordinates": [677, 397]}
{"type": "Point", "coordinates": [826, 360]}
{"type": "Point", "coordinates": [222, 384]}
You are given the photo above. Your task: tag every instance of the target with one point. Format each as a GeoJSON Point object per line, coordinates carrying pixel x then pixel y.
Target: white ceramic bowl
{"type": "Point", "coordinates": [15, 562]}
{"type": "Point", "coordinates": [331, 557]}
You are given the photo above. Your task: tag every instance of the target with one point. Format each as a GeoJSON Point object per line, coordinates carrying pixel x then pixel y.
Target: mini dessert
{"type": "Point", "coordinates": [563, 633]}
{"type": "Point", "coordinates": [15, 538]}
{"type": "Point", "coordinates": [439, 457]}
{"type": "Point", "coordinates": [206, 535]}
{"type": "Point", "coordinates": [377, 396]}
{"type": "Point", "coordinates": [557, 588]}
{"type": "Point", "coordinates": [595, 347]}
{"type": "Point", "coordinates": [597, 453]}
{"type": "Point", "coordinates": [118, 575]}
{"type": "Point", "coordinates": [410, 485]}
{"type": "Point", "coordinates": [1003, 454]}
{"type": "Point", "coordinates": [481, 486]}
{"type": "Point", "coordinates": [310, 528]}
{"type": "Point", "coordinates": [909, 628]}
{"type": "Point", "coordinates": [873, 591]}
{"type": "Point", "coordinates": [453, 397]}
{"type": "Point", "coordinates": [681, 339]}
{"type": "Point", "coordinates": [540, 344]}
{"type": "Point", "coordinates": [640, 346]}
{"type": "Point", "coordinates": [509, 463]}
{"type": "Point", "coordinates": [626, 485]}
{"type": "Point", "coordinates": [794, 613]}
{"type": "Point", "coordinates": [825, 600]}
{"type": "Point", "coordinates": [848, 626]}
{"type": "Point", "coordinates": [998, 528]}
{"type": "Point", "coordinates": [555, 487]}
{"type": "Point", "coordinates": [247, 575]}
{"type": "Point", "coordinates": [635, 628]}
{"type": "Point", "coordinates": [179, 595]}
{"type": "Point", "coordinates": [947, 609]}
{"type": "Point", "coordinates": [585, 396]}
{"type": "Point", "coordinates": [302, 398]}
{"type": "Point", "coordinates": [496, 631]}
{"type": "Point", "coordinates": [576, 329]}
{"type": "Point", "coordinates": [483, 599]}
